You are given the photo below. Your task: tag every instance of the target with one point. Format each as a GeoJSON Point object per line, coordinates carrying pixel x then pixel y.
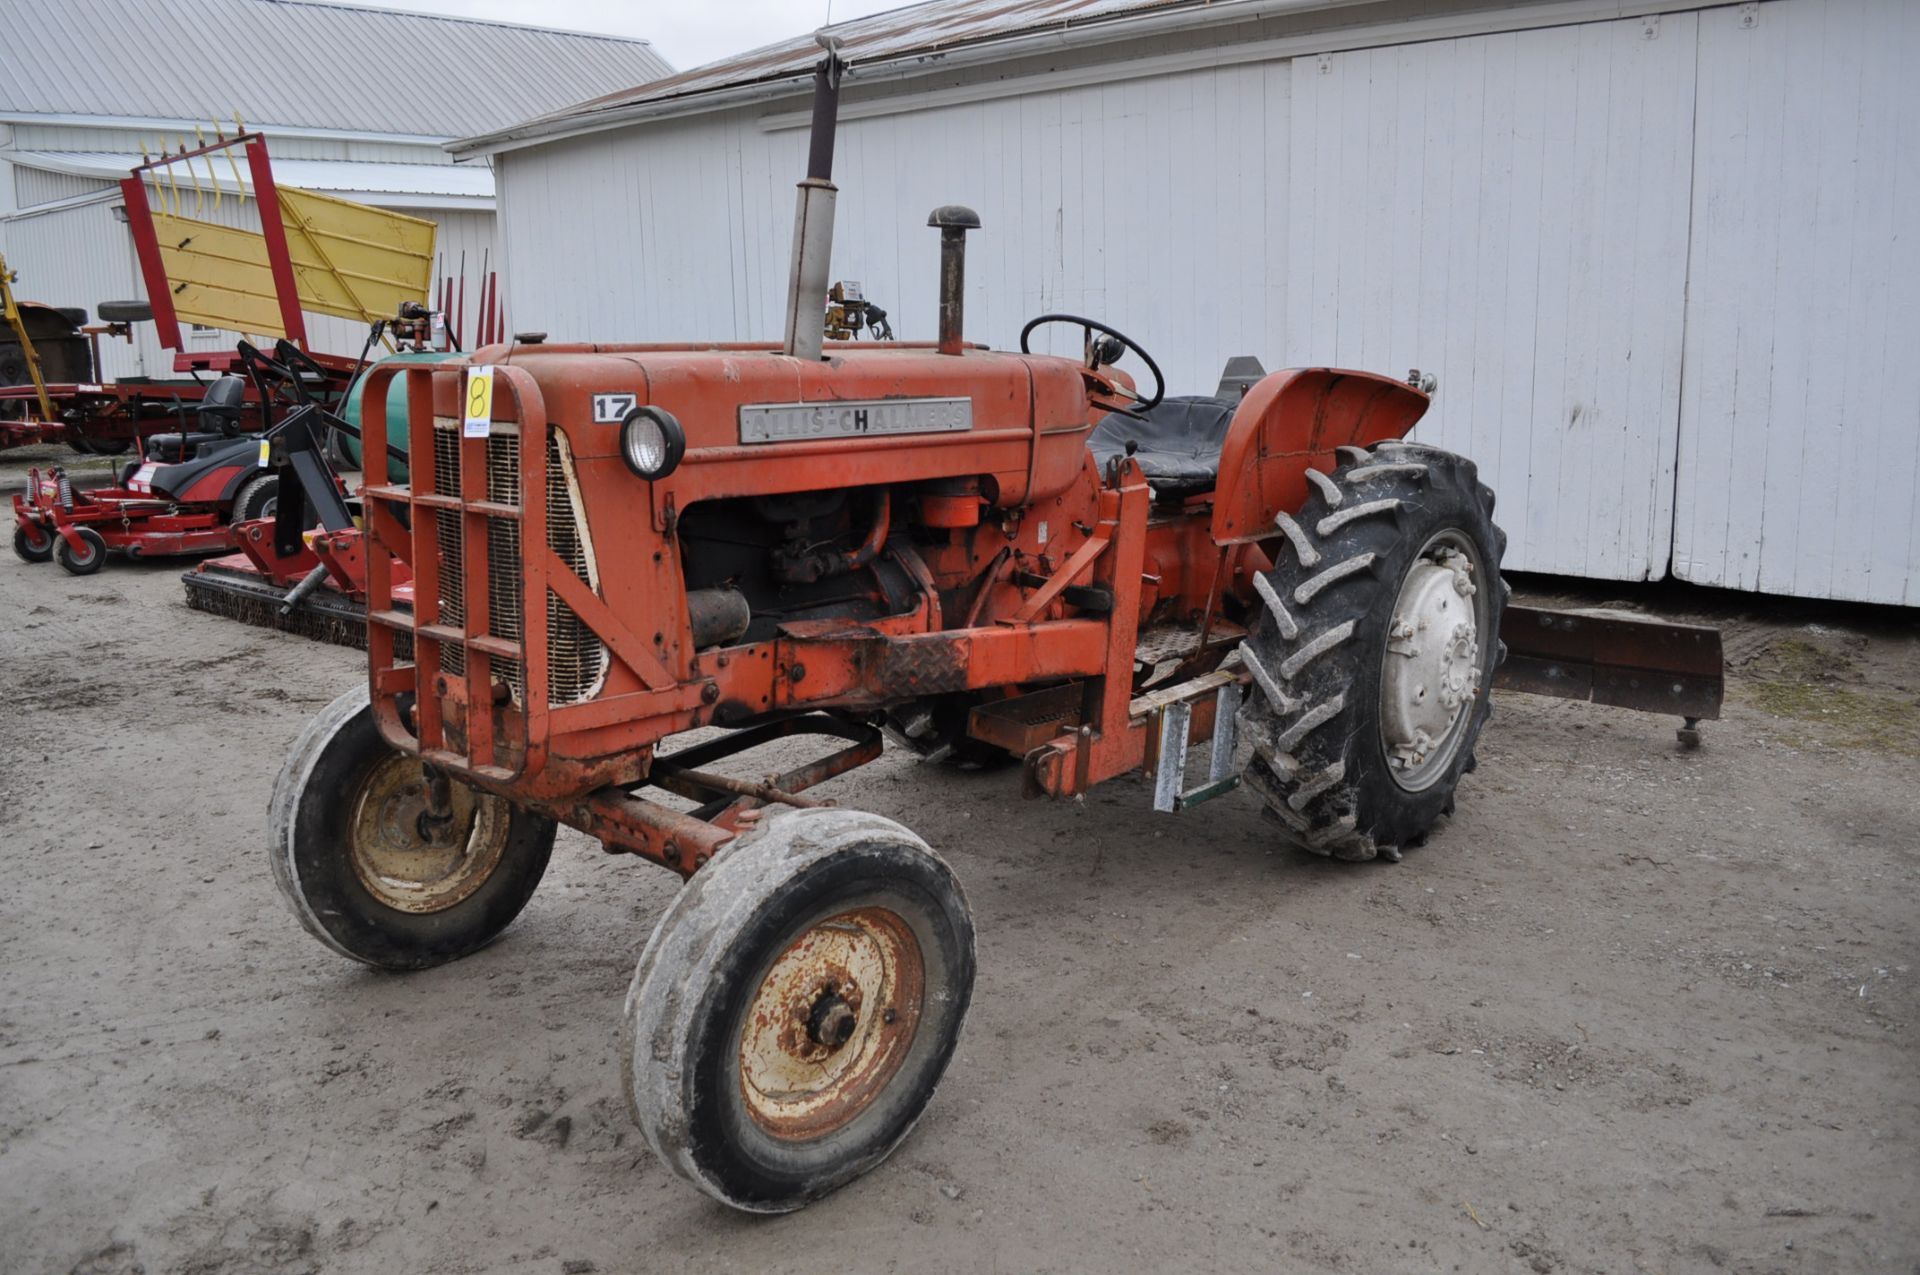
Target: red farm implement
{"type": "Point", "coordinates": [191, 492]}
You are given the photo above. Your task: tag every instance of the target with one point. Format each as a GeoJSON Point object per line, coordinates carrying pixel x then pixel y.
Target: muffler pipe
{"type": "Point", "coordinates": [717, 616]}
{"type": "Point", "coordinates": [953, 222]}
{"type": "Point", "coordinates": [813, 215]}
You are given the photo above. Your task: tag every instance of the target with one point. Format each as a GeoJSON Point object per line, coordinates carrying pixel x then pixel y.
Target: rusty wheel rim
{"type": "Point", "coordinates": [416, 865]}
{"type": "Point", "coordinates": [831, 1023]}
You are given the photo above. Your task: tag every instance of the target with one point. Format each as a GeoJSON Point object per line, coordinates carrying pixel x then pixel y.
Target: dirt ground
{"type": "Point", "coordinates": [1630, 1010]}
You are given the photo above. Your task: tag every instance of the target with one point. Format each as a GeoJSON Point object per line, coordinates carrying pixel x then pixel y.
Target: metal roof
{"type": "Point", "coordinates": [919, 37]}
{"type": "Point", "coordinates": [300, 63]}
{"type": "Point", "coordinates": [390, 185]}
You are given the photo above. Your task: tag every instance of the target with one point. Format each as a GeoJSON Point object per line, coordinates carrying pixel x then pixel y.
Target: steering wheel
{"type": "Point", "coordinates": [1090, 326]}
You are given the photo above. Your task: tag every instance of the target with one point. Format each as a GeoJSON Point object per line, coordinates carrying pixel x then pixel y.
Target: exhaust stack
{"type": "Point", "coordinates": [813, 214]}
{"type": "Point", "coordinates": [953, 221]}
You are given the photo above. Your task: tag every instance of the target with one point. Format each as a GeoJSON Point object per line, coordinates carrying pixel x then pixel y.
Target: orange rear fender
{"type": "Point", "coordinates": [1291, 422]}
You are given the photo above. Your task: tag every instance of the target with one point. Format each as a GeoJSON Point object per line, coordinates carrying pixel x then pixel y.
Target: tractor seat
{"type": "Point", "coordinates": [172, 449]}
{"type": "Point", "coordinates": [1177, 443]}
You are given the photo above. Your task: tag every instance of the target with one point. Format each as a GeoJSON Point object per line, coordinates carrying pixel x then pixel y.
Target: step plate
{"type": "Point", "coordinates": [1025, 722]}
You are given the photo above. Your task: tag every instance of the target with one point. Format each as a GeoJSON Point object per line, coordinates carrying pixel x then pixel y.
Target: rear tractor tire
{"type": "Point", "coordinates": [1373, 650]}
{"type": "Point", "coordinates": [372, 879]}
{"type": "Point", "coordinates": [85, 560]}
{"type": "Point", "coordinates": [796, 1006]}
{"type": "Point", "coordinates": [31, 544]}
{"type": "Point", "coordinates": [99, 446]}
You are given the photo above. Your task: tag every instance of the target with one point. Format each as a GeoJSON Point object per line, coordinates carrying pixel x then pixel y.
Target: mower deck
{"type": "Point", "coordinates": [233, 588]}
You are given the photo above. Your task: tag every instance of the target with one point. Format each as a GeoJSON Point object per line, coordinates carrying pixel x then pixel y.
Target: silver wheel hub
{"type": "Point", "coordinates": [1430, 675]}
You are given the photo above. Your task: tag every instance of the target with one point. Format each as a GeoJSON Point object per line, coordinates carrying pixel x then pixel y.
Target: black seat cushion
{"type": "Point", "coordinates": [232, 457]}
{"type": "Point", "coordinates": [174, 448]}
{"type": "Point", "coordinates": [1177, 443]}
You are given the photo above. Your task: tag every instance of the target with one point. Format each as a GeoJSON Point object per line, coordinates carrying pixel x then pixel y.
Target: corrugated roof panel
{"type": "Point", "coordinates": [936, 26]}
{"type": "Point", "coordinates": [302, 63]}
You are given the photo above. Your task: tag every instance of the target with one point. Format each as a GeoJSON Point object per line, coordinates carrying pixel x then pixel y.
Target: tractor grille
{"type": "Point", "coordinates": [576, 659]}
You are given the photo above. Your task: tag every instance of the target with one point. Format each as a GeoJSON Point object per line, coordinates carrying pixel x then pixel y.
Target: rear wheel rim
{"type": "Point", "coordinates": [409, 862]}
{"type": "Point", "coordinates": [831, 1023]}
{"type": "Point", "coordinates": [1430, 670]}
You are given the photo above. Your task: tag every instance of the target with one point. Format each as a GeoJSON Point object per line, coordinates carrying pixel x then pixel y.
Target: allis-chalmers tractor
{"type": "Point", "coordinates": [987, 555]}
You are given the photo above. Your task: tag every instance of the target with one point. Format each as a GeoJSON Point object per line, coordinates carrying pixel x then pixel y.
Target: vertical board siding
{"type": "Point", "coordinates": [460, 236]}
{"type": "Point", "coordinates": [81, 256]}
{"type": "Point", "coordinates": [1509, 212]}
{"type": "Point", "coordinates": [33, 186]}
{"type": "Point", "coordinates": [1154, 205]}
{"type": "Point", "coordinates": [1663, 266]}
{"type": "Point", "coordinates": [1799, 463]}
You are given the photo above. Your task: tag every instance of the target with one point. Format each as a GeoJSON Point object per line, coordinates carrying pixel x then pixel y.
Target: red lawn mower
{"type": "Point", "coordinates": [182, 495]}
{"type": "Point", "coordinates": [189, 492]}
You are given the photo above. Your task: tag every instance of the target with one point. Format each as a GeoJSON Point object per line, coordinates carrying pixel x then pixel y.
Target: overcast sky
{"type": "Point", "coordinates": [685, 32]}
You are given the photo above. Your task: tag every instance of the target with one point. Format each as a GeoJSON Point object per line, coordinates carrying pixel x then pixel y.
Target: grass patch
{"type": "Point", "coordinates": [1801, 683]}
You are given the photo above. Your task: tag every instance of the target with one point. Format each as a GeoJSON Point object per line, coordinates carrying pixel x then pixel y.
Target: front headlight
{"type": "Point", "coordinates": [652, 442]}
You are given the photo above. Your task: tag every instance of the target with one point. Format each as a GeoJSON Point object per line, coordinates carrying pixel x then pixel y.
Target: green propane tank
{"type": "Point", "coordinates": [396, 409]}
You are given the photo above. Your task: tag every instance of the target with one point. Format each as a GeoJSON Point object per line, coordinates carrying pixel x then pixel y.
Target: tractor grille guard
{"type": "Point", "coordinates": [576, 659]}
{"type": "Point", "coordinates": [491, 526]}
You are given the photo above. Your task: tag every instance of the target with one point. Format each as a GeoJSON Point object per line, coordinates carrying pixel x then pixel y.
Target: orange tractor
{"type": "Point", "coordinates": [986, 555]}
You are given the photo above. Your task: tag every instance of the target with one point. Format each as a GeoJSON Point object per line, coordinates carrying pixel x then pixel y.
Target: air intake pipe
{"type": "Point", "coordinates": [813, 214]}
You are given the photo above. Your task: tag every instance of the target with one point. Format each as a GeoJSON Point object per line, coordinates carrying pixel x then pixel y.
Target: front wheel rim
{"type": "Point", "coordinates": [1430, 670]}
{"type": "Point", "coordinates": [831, 1023]}
{"type": "Point", "coordinates": [411, 863]}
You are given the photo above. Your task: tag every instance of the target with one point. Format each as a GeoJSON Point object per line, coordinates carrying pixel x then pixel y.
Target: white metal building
{"type": "Point", "coordinates": [1662, 256]}
{"type": "Point", "coordinates": [355, 102]}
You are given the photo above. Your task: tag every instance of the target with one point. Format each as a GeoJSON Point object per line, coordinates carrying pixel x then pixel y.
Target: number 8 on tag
{"type": "Point", "coordinates": [479, 411]}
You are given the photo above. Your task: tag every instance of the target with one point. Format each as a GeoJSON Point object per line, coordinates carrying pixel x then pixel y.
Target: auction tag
{"type": "Point", "coordinates": [266, 452]}
{"type": "Point", "coordinates": [479, 417]}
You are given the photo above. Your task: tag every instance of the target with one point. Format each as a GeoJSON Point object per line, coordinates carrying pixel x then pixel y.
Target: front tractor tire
{"type": "Point", "coordinates": [368, 874]}
{"type": "Point", "coordinates": [1373, 650]}
{"type": "Point", "coordinates": [796, 1006]}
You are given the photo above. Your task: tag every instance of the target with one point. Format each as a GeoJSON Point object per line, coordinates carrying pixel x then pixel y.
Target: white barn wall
{"type": "Point", "coordinates": [1509, 212]}
{"type": "Point", "coordinates": [683, 231]}
{"type": "Point", "coordinates": [1661, 264]}
{"type": "Point", "coordinates": [460, 235]}
{"type": "Point", "coordinates": [104, 138]}
{"type": "Point", "coordinates": [1800, 421]}
{"type": "Point", "coordinates": [33, 187]}
{"type": "Point", "coordinates": [80, 256]}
